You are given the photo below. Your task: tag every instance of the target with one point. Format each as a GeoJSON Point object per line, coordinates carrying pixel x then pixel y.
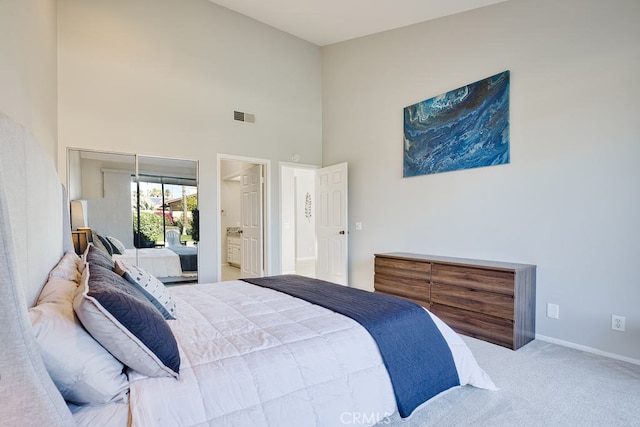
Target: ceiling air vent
{"type": "Point", "coordinates": [244, 117]}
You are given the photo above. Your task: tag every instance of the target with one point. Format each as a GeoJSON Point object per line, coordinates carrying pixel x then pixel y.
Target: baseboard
{"type": "Point", "coordinates": [587, 349]}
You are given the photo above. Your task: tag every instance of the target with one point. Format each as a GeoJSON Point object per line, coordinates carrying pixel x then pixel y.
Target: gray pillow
{"type": "Point", "coordinates": [97, 257]}
{"type": "Point", "coordinates": [123, 320]}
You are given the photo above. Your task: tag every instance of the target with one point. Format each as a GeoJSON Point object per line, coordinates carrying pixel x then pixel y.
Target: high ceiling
{"type": "Point", "coordinates": [324, 22]}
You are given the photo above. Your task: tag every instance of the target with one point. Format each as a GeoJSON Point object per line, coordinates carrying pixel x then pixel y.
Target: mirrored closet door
{"type": "Point", "coordinates": [142, 209]}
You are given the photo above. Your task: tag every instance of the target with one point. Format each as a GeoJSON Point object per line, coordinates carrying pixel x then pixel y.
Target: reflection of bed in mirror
{"type": "Point", "coordinates": [188, 254]}
{"type": "Point", "coordinates": [163, 263]}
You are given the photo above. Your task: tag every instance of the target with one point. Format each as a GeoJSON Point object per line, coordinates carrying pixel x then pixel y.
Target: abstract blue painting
{"type": "Point", "coordinates": [465, 128]}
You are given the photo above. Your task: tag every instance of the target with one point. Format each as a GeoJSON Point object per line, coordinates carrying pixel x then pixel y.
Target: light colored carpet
{"type": "Point", "coordinates": [541, 384]}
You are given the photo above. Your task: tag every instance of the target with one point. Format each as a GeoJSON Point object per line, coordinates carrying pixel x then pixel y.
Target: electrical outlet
{"type": "Point", "coordinates": [553, 311]}
{"type": "Point", "coordinates": [617, 323]}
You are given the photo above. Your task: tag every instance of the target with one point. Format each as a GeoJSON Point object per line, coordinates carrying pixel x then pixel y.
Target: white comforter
{"type": "Point", "coordinates": [256, 357]}
{"type": "Point", "coordinates": [160, 262]}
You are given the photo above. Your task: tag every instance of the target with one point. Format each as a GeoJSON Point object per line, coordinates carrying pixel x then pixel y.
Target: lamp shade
{"type": "Point", "coordinates": [78, 214]}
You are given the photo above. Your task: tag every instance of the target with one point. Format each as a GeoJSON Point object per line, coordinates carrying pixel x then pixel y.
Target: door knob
{"type": "Point", "coordinates": [341, 232]}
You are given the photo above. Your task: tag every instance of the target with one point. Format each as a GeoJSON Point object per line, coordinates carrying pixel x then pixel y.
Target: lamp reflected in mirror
{"type": "Point", "coordinates": [78, 214]}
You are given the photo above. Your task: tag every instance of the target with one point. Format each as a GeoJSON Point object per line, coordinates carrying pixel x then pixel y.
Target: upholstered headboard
{"type": "Point", "coordinates": [33, 236]}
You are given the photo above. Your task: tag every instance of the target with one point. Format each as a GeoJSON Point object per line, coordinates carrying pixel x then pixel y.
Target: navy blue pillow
{"type": "Point", "coordinates": [112, 310]}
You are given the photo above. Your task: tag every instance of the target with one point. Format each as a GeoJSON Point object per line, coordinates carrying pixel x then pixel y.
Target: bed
{"type": "Point", "coordinates": [161, 262]}
{"type": "Point", "coordinates": [230, 353]}
{"type": "Point", "coordinates": [188, 256]}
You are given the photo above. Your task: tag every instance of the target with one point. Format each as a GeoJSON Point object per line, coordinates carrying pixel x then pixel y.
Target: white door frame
{"type": "Point", "coordinates": [268, 246]}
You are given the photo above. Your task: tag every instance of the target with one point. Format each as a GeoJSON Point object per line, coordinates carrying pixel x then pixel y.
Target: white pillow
{"type": "Point", "coordinates": [83, 371]}
{"type": "Point", "coordinates": [69, 267]}
{"type": "Point", "coordinates": [150, 286]}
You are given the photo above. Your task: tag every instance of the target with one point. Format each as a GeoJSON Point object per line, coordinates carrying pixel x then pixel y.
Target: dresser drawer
{"type": "Point", "coordinates": [415, 290]}
{"type": "Point", "coordinates": [491, 303]}
{"type": "Point", "coordinates": [477, 325]}
{"type": "Point", "coordinates": [403, 268]}
{"type": "Point", "coordinates": [474, 278]}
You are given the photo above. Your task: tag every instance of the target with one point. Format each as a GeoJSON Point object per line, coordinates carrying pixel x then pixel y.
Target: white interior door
{"type": "Point", "coordinates": [251, 245]}
{"type": "Point", "coordinates": [331, 224]}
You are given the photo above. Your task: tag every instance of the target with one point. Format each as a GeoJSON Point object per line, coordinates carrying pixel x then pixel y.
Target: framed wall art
{"type": "Point", "coordinates": [461, 129]}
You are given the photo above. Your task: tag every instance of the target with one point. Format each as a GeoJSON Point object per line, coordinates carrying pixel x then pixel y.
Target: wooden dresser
{"type": "Point", "coordinates": [489, 300]}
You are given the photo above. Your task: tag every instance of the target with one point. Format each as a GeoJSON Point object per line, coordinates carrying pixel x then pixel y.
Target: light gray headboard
{"type": "Point", "coordinates": [32, 240]}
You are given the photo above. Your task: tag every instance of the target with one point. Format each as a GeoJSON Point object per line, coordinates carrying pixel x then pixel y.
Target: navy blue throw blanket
{"type": "Point", "coordinates": [414, 351]}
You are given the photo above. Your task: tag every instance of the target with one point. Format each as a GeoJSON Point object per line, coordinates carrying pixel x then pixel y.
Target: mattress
{"type": "Point", "coordinates": [160, 262]}
{"type": "Point", "coordinates": [255, 356]}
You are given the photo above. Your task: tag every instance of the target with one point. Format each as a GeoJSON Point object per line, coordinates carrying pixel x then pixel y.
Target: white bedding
{"type": "Point", "coordinates": [160, 262]}
{"type": "Point", "coordinates": [254, 356]}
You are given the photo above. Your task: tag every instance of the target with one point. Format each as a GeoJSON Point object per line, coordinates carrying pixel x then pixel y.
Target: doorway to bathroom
{"type": "Point", "coordinates": [243, 217]}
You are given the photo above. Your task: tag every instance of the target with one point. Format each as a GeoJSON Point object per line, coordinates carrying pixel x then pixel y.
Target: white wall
{"type": "Point", "coordinates": [569, 200]}
{"type": "Point", "coordinates": [163, 77]}
{"type": "Point", "coordinates": [28, 67]}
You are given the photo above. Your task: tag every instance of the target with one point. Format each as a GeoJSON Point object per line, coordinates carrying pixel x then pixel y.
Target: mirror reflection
{"type": "Point", "coordinates": [141, 209]}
